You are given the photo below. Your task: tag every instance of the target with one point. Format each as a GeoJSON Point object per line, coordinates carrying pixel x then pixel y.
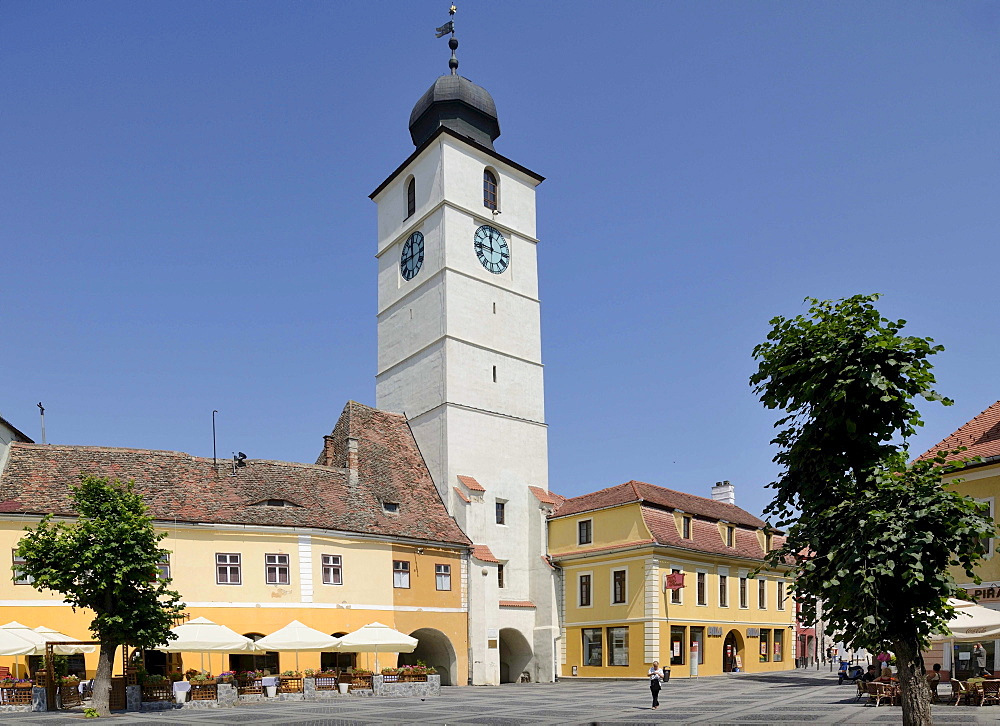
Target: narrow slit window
{"type": "Point", "coordinates": [411, 198]}
{"type": "Point", "coordinates": [489, 190]}
{"type": "Point", "coordinates": [494, 374]}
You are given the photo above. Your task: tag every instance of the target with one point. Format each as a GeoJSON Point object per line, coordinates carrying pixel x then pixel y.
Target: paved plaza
{"type": "Point", "coordinates": [795, 697]}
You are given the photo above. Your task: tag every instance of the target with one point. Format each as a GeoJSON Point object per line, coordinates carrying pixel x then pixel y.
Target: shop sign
{"type": "Point", "coordinates": [753, 632]}
{"type": "Point", "coordinates": [673, 581]}
{"type": "Point", "coordinates": [714, 631]}
{"type": "Point", "coordinates": [987, 592]}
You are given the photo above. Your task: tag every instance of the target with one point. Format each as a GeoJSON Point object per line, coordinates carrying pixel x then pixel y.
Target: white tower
{"type": "Point", "coordinates": [459, 353]}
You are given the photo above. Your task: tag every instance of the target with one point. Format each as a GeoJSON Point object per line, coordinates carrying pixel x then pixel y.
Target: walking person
{"type": "Point", "coordinates": [655, 676]}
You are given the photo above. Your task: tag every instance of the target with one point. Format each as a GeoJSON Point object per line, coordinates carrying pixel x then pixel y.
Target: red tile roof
{"type": "Point", "coordinates": [705, 536]}
{"type": "Point", "coordinates": [461, 494]}
{"type": "Point", "coordinates": [516, 604]}
{"type": "Point", "coordinates": [637, 491]}
{"type": "Point", "coordinates": [471, 484]}
{"type": "Point", "coordinates": [483, 553]}
{"type": "Point", "coordinates": [603, 548]}
{"type": "Point", "coordinates": [186, 488]}
{"type": "Point", "coordinates": [980, 436]}
{"type": "Point", "coordinates": [547, 497]}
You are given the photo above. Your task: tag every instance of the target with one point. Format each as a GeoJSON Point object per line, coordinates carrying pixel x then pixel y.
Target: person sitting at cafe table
{"type": "Point", "coordinates": [871, 675]}
{"type": "Point", "coordinates": [886, 676]}
{"type": "Point", "coordinates": [934, 677]}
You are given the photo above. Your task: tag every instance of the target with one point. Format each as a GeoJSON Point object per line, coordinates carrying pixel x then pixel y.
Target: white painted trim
{"type": "Point", "coordinates": [272, 605]}
{"type": "Point", "coordinates": [611, 593]}
{"type": "Point", "coordinates": [696, 621]}
{"type": "Point", "coordinates": [305, 568]}
{"type": "Point", "coordinates": [578, 576]}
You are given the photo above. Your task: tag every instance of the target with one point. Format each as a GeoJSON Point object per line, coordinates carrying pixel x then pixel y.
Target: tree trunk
{"type": "Point", "coordinates": [915, 693]}
{"type": "Point", "coordinates": [102, 680]}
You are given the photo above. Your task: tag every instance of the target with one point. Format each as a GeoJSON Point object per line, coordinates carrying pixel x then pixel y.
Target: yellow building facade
{"type": "Point", "coordinates": [653, 574]}
{"type": "Point", "coordinates": [980, 438]}
{"type": "Point", "coordinates": [361, 536]}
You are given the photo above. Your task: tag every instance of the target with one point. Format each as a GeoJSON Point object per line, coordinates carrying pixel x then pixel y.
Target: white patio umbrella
{"type": "Point", "coordinates": [377, 638]}
{"type": "Point", "coordinates": [201, 635]}
{"type": "Point", "coordinates": [54, 636]}
{"type": "Point", "coordinates": [298, 636]}
{"type": "Point", "coordinates": [15, 645]}
{"type": "Point", "coordinates": [971, 622]}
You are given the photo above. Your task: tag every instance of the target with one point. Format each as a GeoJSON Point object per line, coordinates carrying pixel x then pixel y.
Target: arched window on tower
{"type": "Point", "coordinates": [411, 198]}
{"type": "Point", "coordinates": [491, 195]}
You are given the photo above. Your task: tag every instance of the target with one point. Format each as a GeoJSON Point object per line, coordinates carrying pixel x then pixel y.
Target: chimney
{"type": "Point", "coordinates": [724, 492]}
{"type": "Point", "coordinates": [352, 462]}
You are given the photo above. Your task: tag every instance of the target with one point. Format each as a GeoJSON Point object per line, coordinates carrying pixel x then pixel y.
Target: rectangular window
{"type": "Point", "coordinates": [698, 638]}
{"type": "Point", "coordinates": [702, 589]}
{"type": "Point", "coordinates": [730, 536]}
{"type": "Point", "coordinates": [500, 581]}
{"type": "Point", "coordinates": [686, 527]}
{"type": "Point", "coordinates": [675, 595]}
{"type": "Point", "coordinates": [677, 645]}
{"type": "Point", "coordinates": [617, 646]}
{"type": "Point", "coordinates": [592, 655]}
{"type": "Point", "coordinates": [400, 573]}
{"type": "Point", "coordinates": [276, 569]}
{"type": "Point", "coordinates": [744, 597]}
{"type": "Point", "coordinates": [501, 512]}
{"type": "Point", "coordinates": [779, 643]}
{"type": "Point", "coordinates": [584, 534]}
{"type": "Point", "coordinates": [585, 591]}
{"type": "Point", "coordinates": [227, 569]}
{"type": "Point", "coordinates": [333, 573]}
{"type": "Point", "coordinates": [19, 577]}
{"type": "Point", "coordinates": [781, 595]}
{"type": "Point", "coordinates": [762, 594]}
{"type": "Point", "coordinates": [723, 591]}
{"type": "Point", "coordinates": [163, 568]}
{"type": "Point", "coordinates": [765, 644]}
{"type": "Point", "coordinates": [442, 576]}
{"type": "Point", "coordinates": [618, 586]}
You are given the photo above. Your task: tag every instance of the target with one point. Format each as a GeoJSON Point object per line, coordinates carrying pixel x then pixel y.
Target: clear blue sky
{"type": "Point", "coordinates": [185, 226]}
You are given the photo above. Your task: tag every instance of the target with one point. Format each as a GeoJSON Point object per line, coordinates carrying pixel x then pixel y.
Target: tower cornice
{"type": "Point", "coordinates": [445, 131]}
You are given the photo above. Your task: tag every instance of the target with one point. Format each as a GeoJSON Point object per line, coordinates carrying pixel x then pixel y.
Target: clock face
{"type": "Point", "coordinates": [492, 249]}
{"type": "Point", "coordinates": [412, 256]}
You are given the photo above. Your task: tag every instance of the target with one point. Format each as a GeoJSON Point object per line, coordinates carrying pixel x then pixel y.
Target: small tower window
{"type": "Point", "coordinates": [411, 198]}
{"type": "Point", "coordinates": [489, 189]}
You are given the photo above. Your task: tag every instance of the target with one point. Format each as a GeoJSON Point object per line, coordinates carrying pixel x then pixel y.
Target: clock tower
{"type": "Point", "coordinates": [459, 354]}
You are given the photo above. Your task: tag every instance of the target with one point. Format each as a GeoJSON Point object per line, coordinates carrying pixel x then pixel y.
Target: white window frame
{"type": "Point", "coordinates": [590, 531]}
{"type": "Point", "coordinates": [163, 567]}
{"type": "Point", "coordinates": [233, 562]}
{"type": "Point", "coordinates": [579, 599]}
{"type": "Point", "coordinates": [19, 577]}
{"type": "Point", "coordinates": [780, 594]}
{"type": "Point", "coordinates": [624, 600]}
{"type": "Point", "coordinates": [401, 575]}
{"type": "Point", "coordinates": [761, 593]}
{"type": "Point", "coordinates": [333, 569]}
{"type": "Point", "coordinates": [743, 592]}
{"type": "Point", "coordinates": [277, 569]}
{"type": "Point", "coordinates": [700, 587]}
{"type": "Point", "coordinates": [442, 576]}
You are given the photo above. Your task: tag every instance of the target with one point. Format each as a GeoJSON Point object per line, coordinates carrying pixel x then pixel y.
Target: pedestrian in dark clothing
{"type": "Point", "coordinates": [655, 676]}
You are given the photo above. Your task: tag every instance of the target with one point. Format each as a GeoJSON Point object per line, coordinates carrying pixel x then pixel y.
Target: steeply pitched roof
{"type": "Point", "coordinates": [188, 488]}
{"type": "Point", "coordinates": [637, 491]}
{"type": "Point", "coordinates": [18, 434]}
{"type": "Point", "coordinates": [705, 536]}
{"type": "Point", "coordinates": [546, 497]}
{"type": "Point", "coordinates": [980, 436]}
{"type": "Point", "coordinates": [471, 484]}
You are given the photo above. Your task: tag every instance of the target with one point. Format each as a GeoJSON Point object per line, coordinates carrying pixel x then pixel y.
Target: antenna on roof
{"type": "Point", "coordinates": [215, 458]}
{"type": "Point", "coordinates": [41, 410]}
{"type": "Point", "coordinates": [239, 461]}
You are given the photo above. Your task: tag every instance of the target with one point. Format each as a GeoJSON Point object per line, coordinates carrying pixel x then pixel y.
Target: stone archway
{"type": "Point", "coordinates": [732, 647]}
{"type": "Point", "coordinates": [435, 650]}
{"type": "Point", "coordinates": [515, 655]}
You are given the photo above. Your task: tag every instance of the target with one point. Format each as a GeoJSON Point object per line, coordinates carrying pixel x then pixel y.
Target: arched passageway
{"type": "Point", "coordinates": [732, 652]}
{"type": "Point", "coordinates": [435, 650]}
{"type": "Point", "coordinates": [515, 655]}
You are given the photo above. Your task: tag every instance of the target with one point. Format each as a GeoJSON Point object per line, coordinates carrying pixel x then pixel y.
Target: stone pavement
{"type": "Point", "coordinates": [793, 697]}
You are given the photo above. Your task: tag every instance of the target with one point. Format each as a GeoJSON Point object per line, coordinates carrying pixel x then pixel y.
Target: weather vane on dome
{"type": "Point", "coordinates": [442, 31]}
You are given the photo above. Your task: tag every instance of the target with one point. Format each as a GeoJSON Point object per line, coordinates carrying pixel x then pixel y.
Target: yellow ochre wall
{"type": "Point", "coordinates": [366, 595]}
{"type": "Point", "coordinates": [982, 483]}
{"type": "Point", "coordinates": [646, 564]}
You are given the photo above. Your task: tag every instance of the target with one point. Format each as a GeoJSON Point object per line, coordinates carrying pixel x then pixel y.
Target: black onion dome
{"type": "Point", "coordinates": [459, 104]}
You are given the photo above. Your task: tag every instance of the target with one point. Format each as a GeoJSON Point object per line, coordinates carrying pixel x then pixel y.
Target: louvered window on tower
{"type": "Point", "coordinates": [411, 198]}
{"type": "Point", "coordinates": [490, 196]}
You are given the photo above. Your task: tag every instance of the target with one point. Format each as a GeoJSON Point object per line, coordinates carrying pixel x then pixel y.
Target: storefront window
{"type": "Point", "coordinates": [698, 636]}
{"type": "Point", "coordinates": [765, 642]}
{"type": "Point", "coordinates": [779, 642]}
{"type": "Point", "coordinates": [677, 645]}
{"type": "Point", "coordinates": [617, 646]}
{"type": "Point", "coordinates": [963, 664]}
{"type": "Point", "coordinates": [592, 651]}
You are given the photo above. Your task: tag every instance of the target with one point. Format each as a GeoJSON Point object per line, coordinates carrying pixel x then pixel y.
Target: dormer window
{"type": "Point", "coordinates": [411, 197]}
{"type": "Point", "coordinates": [730, 536]}
{"type": "Point", "coordinates": [390, 507]}
{"type": "Point", "coordinates": [275, 503]}
{"type": "Point", "coordinates": [686, 527]}
{"type": "Point", "coordinates": [490, 189]}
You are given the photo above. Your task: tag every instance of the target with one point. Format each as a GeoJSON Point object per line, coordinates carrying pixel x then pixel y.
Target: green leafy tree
{"type": "Point", "coordinates": [869, 536]}
{"type": "Point", "coordinates": [105, 561]}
